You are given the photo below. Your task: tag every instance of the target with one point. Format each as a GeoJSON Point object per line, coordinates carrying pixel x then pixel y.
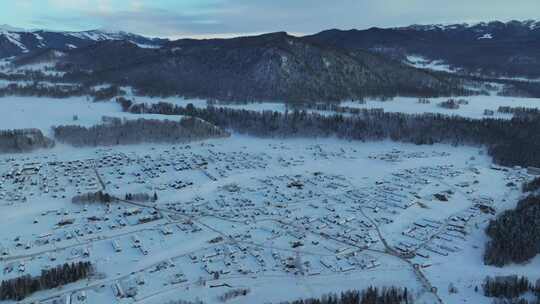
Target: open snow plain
{"type": "Point", "coordinates": [282, 219]}
{"type": "Point", "coordinates": [43, 113]}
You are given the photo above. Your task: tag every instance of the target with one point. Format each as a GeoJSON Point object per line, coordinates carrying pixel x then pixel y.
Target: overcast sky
{"type": "Point", "coordinates": [211, 18]}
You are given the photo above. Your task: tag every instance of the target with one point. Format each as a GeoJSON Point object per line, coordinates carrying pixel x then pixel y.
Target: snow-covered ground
{"type": "Point", "coordinates": [424, 63]}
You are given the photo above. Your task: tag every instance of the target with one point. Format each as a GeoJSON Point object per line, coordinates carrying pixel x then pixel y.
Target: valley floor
{"type": "Point", "coordinates": [283, 218]}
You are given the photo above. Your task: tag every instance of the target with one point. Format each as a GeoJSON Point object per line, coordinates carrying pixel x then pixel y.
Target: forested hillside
{"type": "Point", "coordinates": [274, 66]}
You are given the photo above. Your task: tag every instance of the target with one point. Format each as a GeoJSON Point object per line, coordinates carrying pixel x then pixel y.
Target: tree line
{"type": "Point", "coordinates": [141, 197]}
{"type": "Point", "coordinates": [60, 90]}
{"type": "Point", "coordinates": [93, 197]}
{"type": "Point", "coordinates": [519, 111]}
{"type": "Point", "coordinates": [121, 132]}
{"type": "Point", "coordinates": [521, 89]}
{"type": "Point", "coordinates": [31, 75]}
{"type": "Point", "coordinates": [510, 289]}
{"type": "Point", "coordinates": [506, 286]}
{"type": "Point", "coordinates": [371, 295]}
{"type": "Point", "coordinates": [21, 287]}
{"type": "Point", "coordinates": [23, 140]}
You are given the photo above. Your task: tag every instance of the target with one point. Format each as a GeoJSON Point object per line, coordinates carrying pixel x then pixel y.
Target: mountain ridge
{"type": "Point", "coordinates": [274, 66]}
{"type": "Point", "coordinates": [15, 43]}
{"type": "Point", "coordinates": [493, 48]}
{"type": "Point", "coordinates": [331, 65]}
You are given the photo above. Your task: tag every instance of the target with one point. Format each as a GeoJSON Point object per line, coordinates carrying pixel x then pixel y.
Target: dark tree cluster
{"type": "Point", "coordinates": [235, 293]}
{"type": "Point", "coordinates": [511, 290]}
{"type": "Point", "coordinates": [93, 197]}
{"type": "Point", "coordinates": [141, 197]}
{"type": "Point", "coordinates": [121, 132]}
{"type": "Point", "coordinates": [331, 107]}
{"type": "Point", "coordinates": [42, 90]}
{"type": "Point", "coordinates": [532, 186]}
{"type": "Point", "coordinates": [521, 111]}
{"type": "Point", "coordinates": [23, 140]}
{"type": "Point", "coordinates": [506, 286]}
{"type": "Point", "coordinates": [31, 75]}
{"type": "Point", "coordinates": [510, 142]}
{"type": "Point", "coordinates": [372, 295]}
{"type": "Point", "coordinates": [522, 89]}
{"type": "Point", "coordinates": [21, 287]}
{"type": "Point", "coordinates": [452, 104]}
{"type": "Point", "coordinates": [515, 234]}
{"type": "Point", "coordinates": [124, 103]}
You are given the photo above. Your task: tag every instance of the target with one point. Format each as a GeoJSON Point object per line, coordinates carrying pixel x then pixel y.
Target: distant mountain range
{"type": "Point", "coordinates": [496, 48]}
{"type": "Point", "coordinates": [331, 65]}
{"type": "Point", "coordinates": [14, 42]}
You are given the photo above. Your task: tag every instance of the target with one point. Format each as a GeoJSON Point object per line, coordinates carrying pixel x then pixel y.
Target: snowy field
{"type": "Point", "coordinates": [43, 113]}
{"type": "Point", "coordinates": [302, 216]}
{"type": "Point", "coordinates": [475, 109]}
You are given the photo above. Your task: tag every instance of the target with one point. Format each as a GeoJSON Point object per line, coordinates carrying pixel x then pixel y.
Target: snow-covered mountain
{"type": "Point", "coordinates": [14, 42]}
{"type": "Point", "coordinates": [482, 30]}
{"type": "Point", "coordinates": [491, 48]}
{"type": "Point", "coordinates": [274, 66]}
{"type": "Point", "coordinates": [477, 26]}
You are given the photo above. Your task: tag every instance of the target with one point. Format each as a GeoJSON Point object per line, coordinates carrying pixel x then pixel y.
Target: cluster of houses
{"type": "Point", "coordinates": [294, 221]}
